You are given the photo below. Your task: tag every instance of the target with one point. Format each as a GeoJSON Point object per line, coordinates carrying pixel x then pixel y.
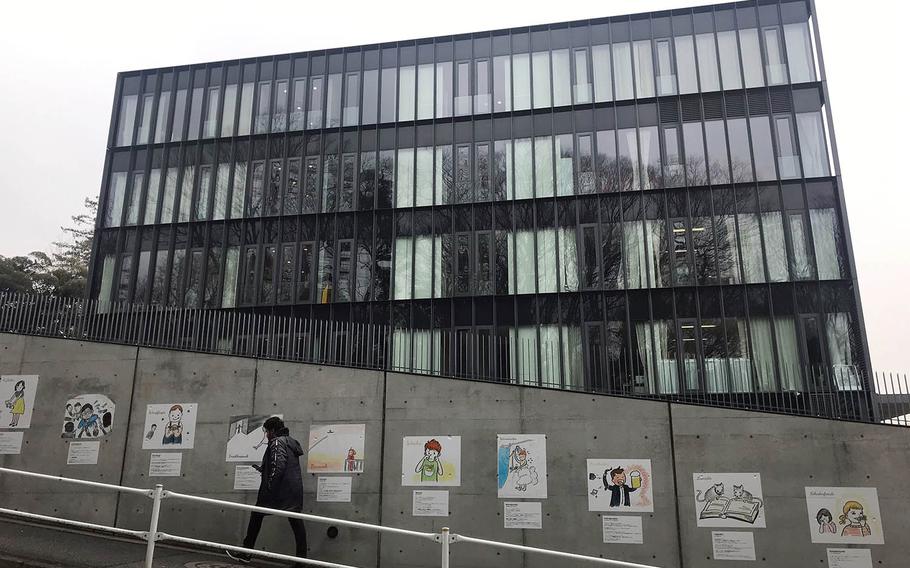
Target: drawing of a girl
{"type": "Point", "coordinates": [855, 520]}
{"type": "Point", "coordinates": [430, 466]}
{"type": "Point", "coordinates": [825, 522]}
{"type": "Point", "coordinates": [173, 431]}
{"type": "Point", "coordinates": [351, 461]}
{"type": "Point", "coordinates": [16, 403]}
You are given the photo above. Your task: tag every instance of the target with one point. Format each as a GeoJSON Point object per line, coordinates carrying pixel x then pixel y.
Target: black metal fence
{"type": "Point", "coordinates": [839, 392]}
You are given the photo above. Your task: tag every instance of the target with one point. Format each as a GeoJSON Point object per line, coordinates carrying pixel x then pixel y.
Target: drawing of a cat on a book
{"type": "Point", "coordinates": [742, 506]}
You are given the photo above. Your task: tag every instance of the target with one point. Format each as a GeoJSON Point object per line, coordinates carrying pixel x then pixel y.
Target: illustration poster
{"type": "Point", "coordinates": [620, 485]}
{"type": "Point", "coordinates": [729, 500]}
{"type": "Point", "coordinates": [170, 426]}
{"type": "Point", "coordinates": [431, 461]}
{"type": "Point", "coordinates": [844, 515]}
{"type": "Point", "coordinates": [336, 448]}
{"type": "Point", "coordinates": [246, 438]}
{"type": "Point", "coordinates": [521, 466]}
{"type": "Point", "coordinates": [87, 417]}
{"type": "Point", "coordinates": [17, 400]}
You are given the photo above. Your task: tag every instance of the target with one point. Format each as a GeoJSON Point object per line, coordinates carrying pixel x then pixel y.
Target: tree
{"type": "Point", "coordinates": [62, 273]}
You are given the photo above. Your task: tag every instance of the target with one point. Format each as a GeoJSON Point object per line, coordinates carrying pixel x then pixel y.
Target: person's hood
{"type": "Point", "coordinates": [292, 443]}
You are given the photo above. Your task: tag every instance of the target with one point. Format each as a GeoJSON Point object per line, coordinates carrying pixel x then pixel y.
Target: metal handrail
{"type": "Point", "coordinates": [444, 538]}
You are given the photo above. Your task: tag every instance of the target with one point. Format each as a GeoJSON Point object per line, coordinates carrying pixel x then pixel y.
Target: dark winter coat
{"type": "Point", "coordinates": [282, 483]}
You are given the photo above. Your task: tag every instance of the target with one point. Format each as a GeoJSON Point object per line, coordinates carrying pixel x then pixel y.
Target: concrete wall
{"type": "Point", "coordinates": [789, 452]}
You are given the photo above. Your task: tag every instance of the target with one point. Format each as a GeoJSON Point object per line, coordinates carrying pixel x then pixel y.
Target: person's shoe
{"type": "Point", "coordinates": [242, 557]}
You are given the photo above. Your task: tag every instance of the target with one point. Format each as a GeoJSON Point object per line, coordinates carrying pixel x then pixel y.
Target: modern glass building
{"type": "Point", "coordinates": [635, 204]}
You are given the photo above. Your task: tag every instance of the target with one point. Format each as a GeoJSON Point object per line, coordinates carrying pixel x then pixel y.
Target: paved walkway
{"type": "Point", "coordinates": [30, 546]}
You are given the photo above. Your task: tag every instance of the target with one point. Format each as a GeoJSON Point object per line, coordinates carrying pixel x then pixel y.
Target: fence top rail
{"type": "Point", "coordinates": [59, 478]}
{"type": "Point", "coordinates": [302, 516]}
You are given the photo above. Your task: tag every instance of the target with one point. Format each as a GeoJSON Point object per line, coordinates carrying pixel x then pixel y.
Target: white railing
{"type": "Point", "coordinates": [445, 538]}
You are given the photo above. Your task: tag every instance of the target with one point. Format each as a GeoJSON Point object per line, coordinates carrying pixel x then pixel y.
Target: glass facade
{"type": "Point", "coordinates": [639, 204]}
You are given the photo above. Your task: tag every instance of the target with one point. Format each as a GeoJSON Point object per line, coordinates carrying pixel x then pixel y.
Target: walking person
{"type": "Point", "coordinates": [281, 486]}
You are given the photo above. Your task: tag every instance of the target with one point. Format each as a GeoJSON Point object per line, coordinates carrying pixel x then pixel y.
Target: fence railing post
{"type": "Point", "coordinates": [156, 495]}
{"type": "Point", "coordinates": [445, 547]}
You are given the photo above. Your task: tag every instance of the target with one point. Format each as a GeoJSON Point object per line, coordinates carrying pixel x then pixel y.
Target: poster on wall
{"type": "Point", "coordinates": [849, 558]}
{"type": "Point", "coordinates": [87, 417]}
{"type": "Point", "coordinates": [11, 443]}
{"type": "Point", "coordinates": [431, 461]}
{"type": "Point", "coordinates": [733, 545]}
{"type": "Point", "coordinates": [844, 515]}
{"type": "Point", "coordinates": [729, 500]}
{"type": "Point", "coordinates": [521, 466]}
{"type": "Point", "coordinates": [621, 529]}
{"type": "Point", "coordinates": [246, 438]}
{"type": "Point", "coordinates": [170, 426]}
{"type": "Point", "coordinates": [336, 448]}
{"type": "Point", "coordinates": [17, 400]}
{"type": "Point", "coordinates": [83, 453]}
{"type": "Point", "coordinates": [620, 485]}
{"type": "Point", "coordinates": [246, 478]}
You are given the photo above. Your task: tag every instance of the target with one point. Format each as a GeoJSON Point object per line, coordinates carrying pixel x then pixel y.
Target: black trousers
{"type": "Point", "coordinates": [252, 533]}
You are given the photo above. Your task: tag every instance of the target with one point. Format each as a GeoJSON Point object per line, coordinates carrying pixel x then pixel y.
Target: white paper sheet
{"type": "Point", "coordinates": [165, 465]}
{"type": "Point", "coordinates": [430, 503]}
{"type": "Point", "coordinates": [83, 453]}
{"type": "Point", "coordinates": [849, 558]}
{"type": "Point", "coordinates": [11, 443]}
{"type": "Point", "coordinates": [522, 515]}
{"type": "Point", "coordinates": [246, 478]}
{"type": "Point", "coordinates": [733, 545]}
{"type": "Point", "coordinates": [333, 489]}
{"type": "Point", "coordinates": [623, 529]}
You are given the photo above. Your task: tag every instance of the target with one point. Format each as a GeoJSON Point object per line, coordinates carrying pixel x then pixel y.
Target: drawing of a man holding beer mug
{"type": "Point", "coordinates": [615, 480]}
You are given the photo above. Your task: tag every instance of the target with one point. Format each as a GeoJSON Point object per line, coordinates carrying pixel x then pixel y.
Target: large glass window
{"type": "Point", "coordinates": [762, 148]}
{"type": "Point", "coordinates": [164, 103]}
{"type": "Point", "coordinates": [127, 121]}
{"type": "Point", "coordinates": [799, 52]}
{"type": "Point", "coordinates": [329, 182]}
{"type": "Point", "coordinates": [186, 193]}
{"type": "Point", "coordinates": [195, 113]}
{"type": "Point", "coordinates": [145, 119]}
{"type": "Point", "coordinates": [298, 104]}
{"type": "Point", "coordinates": [444, 85]}
{"type": "Point", "coordinates": [425, 91]}
{"type": "Point", "coordinates": [229, 110]}
{"type": "Point", "coordinates": [739, 150]}
{"type": "Point", "coordinates": [370, 96]}
{"type": "Point", "coordinates": [540, 73]}
{"type": "Point", "coordinates": [464, 187]}
{"type": "Point", "coordinates": [482, 86]}
{"type": "Point", "coordinates": [305, 273]}
{"type": "Point", "coordinates": [367, 181]}
{"type": "Point", "coordinates": [666, 77]}
{"type": "Point", "coordinates": [696, 163]}
{"type": "Point", "coordinates": [812, 144]}
{"type": "Point", "coordinates": [238, 193]}
{"type": "Point", "coordinates": [707, 62]}
{"type": "Point", "coordinates": [800, 261]}
{"type": "Point", "coordinates": [718, 162]}
{"type": "Point", "coordinates": [345, 270]}
{"type": "Point", "coordinates": [333, 101]}
{"type": "Point", "coordinates": [210, 122]}
{"type": "Point", "coordinates": [231, 269]}
{"type": "Point", "coordinates": [521, 75]}
{"type": "Point", "coordinates": [826, 238]}
{"type": "Point", "coordinates": [263, 116]}
{"type": "Point", "coordinates": [310, 185]}
{"type": "Point", "coordinates": [787, 157]}
{"type": "Point", "coordinates": [565, 157]}
{"type": "Point", "coordinates": [524, 169]}
{"type": "Point", "coordinates": [582, 86]}
{"type": "Point", "coordinates": [674, 163]}
{"type": "Point", "coordinates": [179, 115]}
{"type": "Point", "coordinates": [291, 205]}
{"type": "Point", "coordinates": [403, 264]}
{"type": "Point", "coordinates": [116, 194]}
{"type": "Point", "coordinates": [729, 60]}
{"type": "Point", "coordinates": [388, 101]}
{"type": "Point", "coordinates": [685, 64]}
{"type": "Point", "coordinates": [424, 181]}
{"type": "Point", "coordinates": [219, 207]}
{"type": "Point", "coordinates": [246, 110]}
{"type": "Point", "coordinates": [774, 57]}
{"type": "Point", "coordinates": [404, 189]}
{"type": "Point", "coordinates": [201, 208]}
{"type": "Point", "coordinates": [650, 158]}
{"type": "Point", "coordinates": [629, 167]}
{"type": "Point", "coordinates": [135, 198]}
{"type": "Point", "coordinates": [622, 70]}
{"type": "Point", "coordinates": [257, 183]}
{"type": "Point", "coordinates": [314, 106]}
{"type": "Point", "coordinates": [502, 170]}
{"type": "Point", "coordinates": [586, 181]}
{"type": "Point", "coordinates": [502, 83]}
{"type": "Point", "coordinates": [603, 73]}
{"type": "Point", "coordinates": [606, 163]}
{"type": "Point", "coordinates": [482, 171]}
{"type": "Point", "coordinates": [170, 195]}
{"type": "Point", "coordinates": [269, 262]}
{"type": "Point", "coordinates": [543, 166]}
{"type": "Point", "coordinates": [752, 62]}
{"type": "Point", "coordinates": [644, 69]}
{"type": "Point", "coordinates": [445, 175]}
{"type": "Point", "coordinates": [407, 89]}
{"type": "Point", "coordinates": [562, 78]}
{"type": "Point", "coordinates": [272, 199]}
{"type": "Point", "coordinates": [152, 195]}
{"type": "Point", "coordinates": [462, 88]}
{"type": "Point", "coordinates": [280, 107]}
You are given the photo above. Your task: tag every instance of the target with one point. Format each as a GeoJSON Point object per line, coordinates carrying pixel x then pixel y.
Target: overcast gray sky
{"type": "Point", "coordinates": [58, 62]}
